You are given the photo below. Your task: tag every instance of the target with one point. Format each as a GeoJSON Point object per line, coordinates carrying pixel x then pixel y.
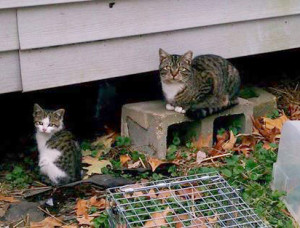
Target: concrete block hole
{"type": "Point", "coordinates": [189, 131]}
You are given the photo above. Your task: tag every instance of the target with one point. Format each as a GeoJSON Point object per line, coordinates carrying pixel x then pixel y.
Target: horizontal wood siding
{"type": "Point", "coordinates": [46, 68]}
{"type": "Point", "coordinates": [10, 78]}
{"type": "Point", "coordinates": [4, 4]}
{"type": "Point", "coordinates": [93, 21]}
{"type": "Point", "coordinates": [8, 30]}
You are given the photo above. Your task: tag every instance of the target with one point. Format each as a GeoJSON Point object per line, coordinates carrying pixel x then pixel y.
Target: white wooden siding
{"type": "Point", "coordinates": [8, 30]}
{"type": "Point", "coordinates": [93, 21]}
{"type": "Point", "coordinates": [10, 79]}
{"type": "Point", "coordinates": [4, 4]}
{"type": "Point", "coordinates": [46, 68]}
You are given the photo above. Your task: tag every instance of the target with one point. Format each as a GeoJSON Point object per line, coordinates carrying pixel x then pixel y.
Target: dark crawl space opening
{"type": "Point", "coordinates": [91, 107]}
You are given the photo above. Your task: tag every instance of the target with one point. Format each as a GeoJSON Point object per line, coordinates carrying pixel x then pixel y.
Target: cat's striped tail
{"type": "Point", "coordinates": [200, 113]}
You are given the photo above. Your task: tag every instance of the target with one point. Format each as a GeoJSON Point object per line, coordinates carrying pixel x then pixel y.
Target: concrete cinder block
{"type": "Point", "coordinates": [264, 104]}
{"type": "Point", "coordinates": [147, 123]}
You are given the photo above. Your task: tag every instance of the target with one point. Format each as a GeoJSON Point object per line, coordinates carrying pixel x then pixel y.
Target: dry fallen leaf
{"type": "Point", "coordinates": [190, 193]}
{"type": "Point", "coordinates": [8, 199]}
{"type": "Point", "coordinates": [278, 122]}
{"type": "Point", "coordinates": [95, 165]}
{"type": "Point", "coordinates": [200, 156]}
{"type": "Point", "coordinates": [48, 222]}
{"type": "Point", "coordinates": [213, 219]}
{"type": "Point", "coordinates": [158, 219]}
{"type": "Point", "coordinates": [105, 141]}
{"type": "Point", "coordinates": [203, 141]}
{"type": "Point", "coordinates": [70, 226]}
{"type": "Point", "coordinates": [198, 223]}
{"type": "Point", "coordinates": [154, 163]}
{"type": "Point", "coordinates": [230, 143]}
{"type": "Point", "coordinates": [151, 194]}
{"type": "Point", "coordinates": [179, 218]}
{"type": "Point", "coordinates": [82, 208]}
{"type": "Point", "coordinates": [134, 165]}
{"type": "Point", "coordinates": [124, 158]}
{"type": "Point", "coordinates": [100, 204]}
{"type": "Point", "coordinates": [85, 220]}
{"type": "Point", "coordinates": [164, 194]}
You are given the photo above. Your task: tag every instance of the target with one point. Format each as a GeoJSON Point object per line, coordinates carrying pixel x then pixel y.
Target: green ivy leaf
{"type": "Point", "coordinates": [226, 172]}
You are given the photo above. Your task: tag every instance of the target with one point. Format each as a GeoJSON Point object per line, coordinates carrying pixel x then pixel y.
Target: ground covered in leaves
{"type": "Point", "coordinates": [246, 161]}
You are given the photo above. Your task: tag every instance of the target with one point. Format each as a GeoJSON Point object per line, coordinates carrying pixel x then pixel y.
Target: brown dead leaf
{"type": "Point", "coordinates": [152, 194]}
{"type": "Point", "coordinates": [8, 199]}
{"type": "Point", "coordinates": [221, 139]}
{"type": "Point", "coordinates": [85, 220]}
{"type": "Point", "coordinates": [105, 141]}
{"type": "Point", "coordinates": [124, 158]}
{"type": "Point", "coordinates": [203, 141]}
{"type": "Point", "coordinates": [278, 122]}
{"type": "Point", "coordinates": [200, 156]}
{"type": "Point", "coordinates": [190, 193]}
{"type": "Point", "coordinates": [134, 165]}
{"type": "Point", "coordinates": [82, 208]}
{"type": "Point", "coordinates": [164, 194]}
{"type": "Point", "coordinates": [158, 219]}
{"type": "Point", "coordinates": [179, 218]}
{"type": "Point", "coordinates": [137, 194]}
{"type": "Point", "coordinates": [230, 143]}
{"type": "Point", "coordinates": [48, 222]}
{"type": "Point", "coordinates": [260, 128]}
{"type": "Point", "coordinates": [100, 204]}
{"type": "Point", "coordinates": [294, 111]}
{"type": "Point", "coordinates": [154, 163]}
{"type": "Point", "coordinates": [95, 165]}
{"type": "Point", "coordinates": [70, 226]}
{"type": "Point", "coordinates": [213, 219]}
{"type": "Point", "coordinates": [198, 223]}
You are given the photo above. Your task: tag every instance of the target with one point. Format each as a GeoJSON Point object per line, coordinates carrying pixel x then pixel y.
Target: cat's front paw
{"type": "Point", "coordinates": [179, 110]}
{"type": "Point", "coordinates": [170, 107]}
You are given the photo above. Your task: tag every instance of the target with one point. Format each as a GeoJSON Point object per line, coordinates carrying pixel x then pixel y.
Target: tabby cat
{"type": "Point", "coordinates": [200, 86]}
{"type": "Point", "coordinates": [59, 153]}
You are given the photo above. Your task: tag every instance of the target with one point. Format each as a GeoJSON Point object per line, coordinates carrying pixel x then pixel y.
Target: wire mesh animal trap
{"type": "Point", "coordinates": [204, 200]}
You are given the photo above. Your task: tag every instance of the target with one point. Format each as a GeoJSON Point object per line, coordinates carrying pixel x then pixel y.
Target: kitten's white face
{"type": "Point", "coordinates": [45, 126]}
{"type": "Point", "coordinates": [48, 122]}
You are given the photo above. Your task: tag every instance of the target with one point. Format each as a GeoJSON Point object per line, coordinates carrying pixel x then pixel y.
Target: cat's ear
{"type": "Point", "coordinates": [37, 109]}
{"type": "Point", "coordinates": [163, 55]}
{"type": "Point", "coordinates": [187, 57]}
{"type": "Point", "coordinates": [59, 113]}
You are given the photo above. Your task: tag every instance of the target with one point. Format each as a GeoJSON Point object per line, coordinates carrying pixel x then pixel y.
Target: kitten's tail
{"type": "Point", "coordinates": [200, 113]}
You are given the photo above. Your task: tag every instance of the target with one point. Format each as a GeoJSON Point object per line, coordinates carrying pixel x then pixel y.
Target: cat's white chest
{"type": "Point", "coordinates": [47, 159]}
{"type": "Point", "coordinates": [171, 90]}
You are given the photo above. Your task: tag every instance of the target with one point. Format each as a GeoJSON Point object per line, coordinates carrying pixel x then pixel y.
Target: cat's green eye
{"type": "Point", "coordinates": [40, 123]}
{"type": "Point", "coordinates": [167, 68]}
{"type": "Point", "coordinates": [182, 69]}
{"type": "Point", "coordinates": [50, 125]}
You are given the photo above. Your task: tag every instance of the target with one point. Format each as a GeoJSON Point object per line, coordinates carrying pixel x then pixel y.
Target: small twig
{"type": "Point", "coordinates": [20, 222]}
{"type": "Point", "coordinates": [48, 213]}
{"type": "Point", "coordinates": [142, 163]}
{"type": "Point", "coordinates": [217, 156]}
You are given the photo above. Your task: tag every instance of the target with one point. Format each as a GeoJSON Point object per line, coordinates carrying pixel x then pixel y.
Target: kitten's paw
{"type": "Point", "coordinates": [170, 107]}
{"type": "Point", "coordinates": [179, 109]}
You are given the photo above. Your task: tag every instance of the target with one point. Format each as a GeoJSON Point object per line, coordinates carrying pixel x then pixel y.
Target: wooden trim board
{"type": "Point", "coordinates": [93, 21]}
{"type": "Point", "coordinates": [52, 67]}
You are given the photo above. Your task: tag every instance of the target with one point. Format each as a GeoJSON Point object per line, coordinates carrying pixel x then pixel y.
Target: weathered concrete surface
{"type": "Point", "coordinates": [147, 123]}
{"type": "Point", "coordinates": [264, 104]}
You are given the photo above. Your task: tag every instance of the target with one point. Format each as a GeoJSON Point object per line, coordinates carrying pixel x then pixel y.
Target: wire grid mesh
{"type": "Point", "coordinates": [204, 200]}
